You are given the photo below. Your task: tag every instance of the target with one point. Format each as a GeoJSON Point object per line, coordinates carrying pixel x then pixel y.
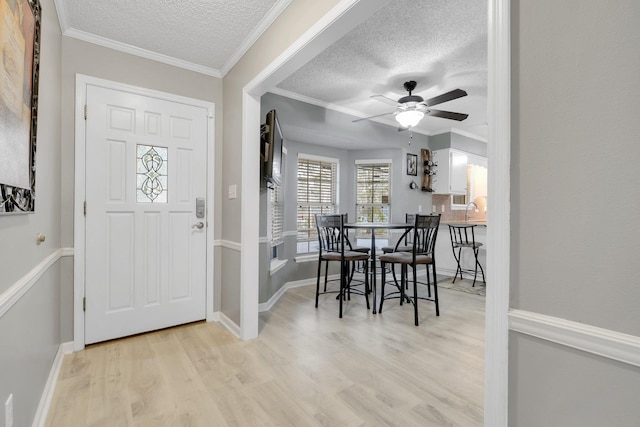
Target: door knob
{"type": "Point", "coordinates": [198, 225]}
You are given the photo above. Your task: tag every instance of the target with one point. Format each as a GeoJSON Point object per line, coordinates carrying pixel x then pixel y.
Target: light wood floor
{"type": "Point", "coordinates": [307, 368]}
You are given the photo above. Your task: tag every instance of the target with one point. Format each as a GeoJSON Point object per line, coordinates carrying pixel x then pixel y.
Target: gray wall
{"type": "Point", "coordinates": [30, 330]}
{"type": "Point", "coordinates": [293, 115]}
{"type": "Point", "coordinates": [460, 142]}
{"type": "Point", "coordinates": [575, 86]}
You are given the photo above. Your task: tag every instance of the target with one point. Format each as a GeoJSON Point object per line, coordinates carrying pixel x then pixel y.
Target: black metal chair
{"type": "Point", "coordinates": [332, 246]}
{"type": "Point", "coordinates": [407, 246]}
{"type": "Point", "coordinates": [424, 232]}
{"type": "Point", "coordinates": [359, 266]}
{"type": "Point", "coordinates": [463, 236]}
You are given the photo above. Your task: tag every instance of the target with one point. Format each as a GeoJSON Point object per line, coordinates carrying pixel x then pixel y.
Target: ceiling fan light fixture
{"type": "Point", "coordinates": [410, 118]}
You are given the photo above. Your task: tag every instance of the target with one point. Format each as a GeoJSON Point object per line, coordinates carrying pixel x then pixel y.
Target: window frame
{"type": "Point", "coordinates": [308, 244]}
{"type": "Point", "coordinates": [382, 233]}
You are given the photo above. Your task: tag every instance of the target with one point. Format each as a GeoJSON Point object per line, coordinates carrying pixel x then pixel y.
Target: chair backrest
{"type": "Point", "coordinates": [408, 237]}
{"type": "Point", "coordinates": [330, 233]}
{"type": "Point", "coordinates": [425, 232]}
{"type": "Point", "coordinates": [462, 235]}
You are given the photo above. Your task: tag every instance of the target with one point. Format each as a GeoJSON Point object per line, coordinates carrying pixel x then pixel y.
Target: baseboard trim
{"type": "Point", "coordinates": [592, 339]}
{"type": "Point", "coordinates": [228, 324]}
{"type": "Point", "coordinates": [266, 306]}
{"type": "Point", "coordinates": [47, 394]}
{"type": "Point", "coordinates": [12, 295]}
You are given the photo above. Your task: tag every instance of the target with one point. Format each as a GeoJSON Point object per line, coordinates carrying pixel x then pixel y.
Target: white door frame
{"type": "Point", "coordinates": [498, 232]}
{"type": "Point", "coordinates": [82, 81]}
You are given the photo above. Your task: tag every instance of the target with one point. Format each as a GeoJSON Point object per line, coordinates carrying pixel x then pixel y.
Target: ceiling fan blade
{"type": "Point", "coordinates": [371, 117]}
{"type": "Point", "coordinates": [447, 115]}
{"type": "Point", "coordinates": [402, 128]}
{"type": "Point", "coordinates": [449, 96]}
{"type": "Point", "coordinates": [384, 99]}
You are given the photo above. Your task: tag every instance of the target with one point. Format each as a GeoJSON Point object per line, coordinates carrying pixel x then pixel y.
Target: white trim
{"type": "Point", "coordinates": [306, 258]}
{"type": "Point", "coordinates": [341, 109]}
{"type": "Point", "coordinates": [50, 386]}
{"type": "Point", "coordinates": [143, 53]}
{"type": "Point", "coordinates": [266, 306]}
{"type": "Point", "coordinates": [305, 156]}
{"type": "Point", "coordinates": [373, 161]}
{"type": "Point", "coordinates": [82, 82]}
{"type": "Point", "coordinates": [290, 233]}
{"type": "Point", "coordinates": [264, 240]}
{"type": "Point", "coordinates": [332, 26]}
{"type": "Point", "coordinates": [228, 244]}
{"type": "Point", "coordinates": [592, 339]}
{"type": "Point", "coordinates": [276, 265]}
{"type": "Point", "coordinates": [12, 295]}
{"type": "Point", "coordinates": [496, 358]}
{"type": "Point", "coordinates": [63, 18]}
{"type": "Point", "coordinates": [262, 26]}
{"type": "Point", "coordinates": [228, 324]}
{"type": "Point", "coordinates": [469, 134]}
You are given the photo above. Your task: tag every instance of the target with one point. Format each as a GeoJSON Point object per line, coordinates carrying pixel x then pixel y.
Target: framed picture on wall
{"type": "Point", "coordinates": [19, 70]}
{"type": "Point", "coordinates": [412, 164]}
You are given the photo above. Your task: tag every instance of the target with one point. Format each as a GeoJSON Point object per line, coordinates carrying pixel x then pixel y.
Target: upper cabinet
{"type": "Point", "coordinates": [451, 175]}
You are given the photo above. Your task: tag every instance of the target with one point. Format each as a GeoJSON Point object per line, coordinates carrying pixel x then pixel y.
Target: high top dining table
{"type": "Point", "coordinates": [373, 226]}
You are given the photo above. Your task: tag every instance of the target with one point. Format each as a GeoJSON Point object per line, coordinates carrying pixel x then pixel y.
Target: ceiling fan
{"type": "Point", "coordinates": [411, 109]}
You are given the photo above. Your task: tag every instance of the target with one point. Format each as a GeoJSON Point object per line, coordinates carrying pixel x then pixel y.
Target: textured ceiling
{"type": "Point", "coordinates": [441, 44]}
{"type": "Point", "coordinates": [205, 33]}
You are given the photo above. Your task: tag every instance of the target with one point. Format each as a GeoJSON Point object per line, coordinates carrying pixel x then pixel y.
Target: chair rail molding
{"type": "Point", "coordinates": [12, 295]}
{"type": "Point", "coordinates": [592, 339]}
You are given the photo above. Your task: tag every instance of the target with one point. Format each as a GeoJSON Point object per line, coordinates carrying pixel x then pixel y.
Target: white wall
{"type": "Point", "coordinates": [575, 150]}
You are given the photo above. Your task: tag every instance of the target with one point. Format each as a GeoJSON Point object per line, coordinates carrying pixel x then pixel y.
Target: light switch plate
{"type": "Point", "coordinates": [233, 191]}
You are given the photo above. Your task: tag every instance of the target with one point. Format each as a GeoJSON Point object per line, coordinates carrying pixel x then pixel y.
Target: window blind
{"type": "Point", "coordinates": [373, 192]}
{"type": "Point", "coordinates": [317, 194]}
{"type": "Point", "coordinates": [277, 215]}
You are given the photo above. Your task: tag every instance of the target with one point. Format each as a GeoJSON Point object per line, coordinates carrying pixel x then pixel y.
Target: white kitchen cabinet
{"type": "Point", "coordinates": [451, 173]}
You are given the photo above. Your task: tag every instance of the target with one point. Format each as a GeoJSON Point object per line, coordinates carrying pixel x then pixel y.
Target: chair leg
{"type": "Point", "coordinates": [426, 267]}
{"type": "Point", "coordinates": [403, 281]}
{"type": "Point", "coordinates": [479, 265]}
{"type": "Point", "coordinates": [318, 282]}
{"type": "Point", "coordinates": [459, 269]}
{"type": "Point", "coordinates": [383, 279]}
{"type": "Point", "coordinates": [326, 270]}
{"type": "Point", "coordinates": [342, 286]}
{"type": "Point", "coordinates": [435, 290]}
{"type": "Point", "coordinates": [366, 284]}
{"type": "Point", "coordinates": [415, 296]}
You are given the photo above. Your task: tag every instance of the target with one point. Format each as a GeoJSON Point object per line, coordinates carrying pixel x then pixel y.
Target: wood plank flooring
{"type": "Point", "coordinates": [306, 368]}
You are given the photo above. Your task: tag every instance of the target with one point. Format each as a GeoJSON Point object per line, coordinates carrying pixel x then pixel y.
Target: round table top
{"type": "Point", "coordinates": [370, 225]}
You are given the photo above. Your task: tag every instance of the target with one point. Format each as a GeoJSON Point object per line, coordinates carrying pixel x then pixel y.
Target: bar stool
{"type": "Point", "coordinates": [463, 236]}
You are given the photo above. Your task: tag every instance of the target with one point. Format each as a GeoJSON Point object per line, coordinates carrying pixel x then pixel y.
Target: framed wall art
{"type": "Point", "coordinates": [412, 164]}
{"type": "Point", "coordinates": [19, 69]}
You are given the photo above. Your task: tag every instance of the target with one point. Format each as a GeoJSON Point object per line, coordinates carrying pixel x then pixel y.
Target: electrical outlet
{"type": "Point", "coordinates": [419, 208]}
{"type": "Point", "coordinates": [442, 207]}
{"type": "Point", "coordinates": [8, 411]}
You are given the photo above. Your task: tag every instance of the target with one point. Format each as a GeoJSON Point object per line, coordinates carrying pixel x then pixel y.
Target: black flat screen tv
{"type": "Point", "coordinates": [271, 150]}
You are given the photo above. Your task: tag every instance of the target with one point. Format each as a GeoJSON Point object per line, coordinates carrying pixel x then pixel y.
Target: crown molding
{"type": "Point", "coordinates": [133, 50]}
{"type": "Point", "coordinates": [469, 134]}
{"type": "Point", "coordinates": [339, 109]}
{"type": "Point", "coordinates": [265, 23]}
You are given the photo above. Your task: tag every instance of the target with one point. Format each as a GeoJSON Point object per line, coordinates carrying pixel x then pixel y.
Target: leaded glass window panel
{"type": "Point", "coordinates": [151, 173]}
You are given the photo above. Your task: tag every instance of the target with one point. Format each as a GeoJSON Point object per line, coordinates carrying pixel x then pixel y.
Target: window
{"type": "Point", "coordinates": [373, 193]}
{"type": "Point", "coordinates": [317, 194]}
{"type": "Point", "coordinates": [276, 211]}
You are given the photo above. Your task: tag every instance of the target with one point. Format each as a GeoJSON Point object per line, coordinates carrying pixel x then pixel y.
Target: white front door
{"type": "Point", "coordinates": [145, 241]}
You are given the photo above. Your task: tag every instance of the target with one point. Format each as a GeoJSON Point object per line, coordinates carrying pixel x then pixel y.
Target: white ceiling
{"type": "Point", "coordinates": [441, 44]}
